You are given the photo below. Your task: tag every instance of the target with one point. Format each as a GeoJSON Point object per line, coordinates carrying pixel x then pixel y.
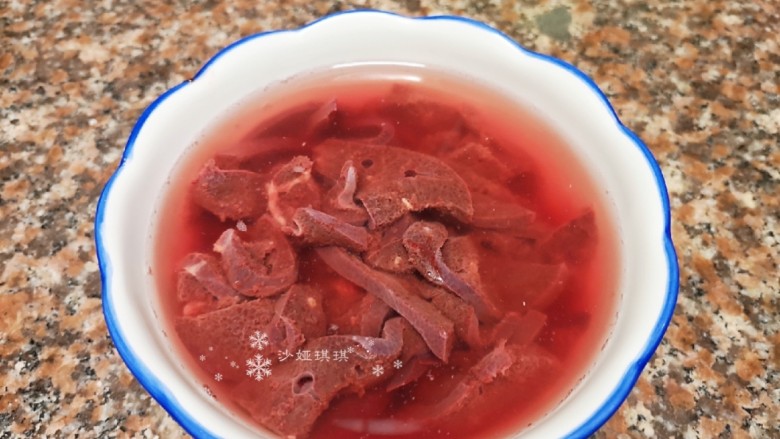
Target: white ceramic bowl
{"type": "Point", "coordinates": [563, 95]}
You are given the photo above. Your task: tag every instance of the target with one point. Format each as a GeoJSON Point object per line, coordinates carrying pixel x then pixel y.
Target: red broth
{"type": "Point", "coordinates": [557, 272]}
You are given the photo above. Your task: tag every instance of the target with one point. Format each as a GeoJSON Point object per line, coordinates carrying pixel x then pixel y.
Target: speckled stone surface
{"type": "Point", "coordinates": [697, 80]}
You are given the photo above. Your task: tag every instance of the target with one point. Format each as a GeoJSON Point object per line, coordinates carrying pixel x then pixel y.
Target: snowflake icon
{"type": "Point", "coordinates": [233, 365]}
{"type": "Point", "coordinates": [351, 349]}
{"type": "Point", "coordinates": [378, 370]}
{"type": "Point", "coordinates": [258, 340]}
{"type": "Point", "coordinates": [258, 367]}
{"type": "Point", "coordinates": [218, 377]}
{"type": "Point", "coordinates": [202, 358]}
{"type": "Point", "coordinates": [398, 364]}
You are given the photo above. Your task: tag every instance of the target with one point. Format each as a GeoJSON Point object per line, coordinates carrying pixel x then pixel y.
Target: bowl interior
{"type": "Point", "coordinates": [563, 96]}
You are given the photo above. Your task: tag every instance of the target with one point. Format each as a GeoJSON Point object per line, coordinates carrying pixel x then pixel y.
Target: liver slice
{"type": "Point", "coordinates": [416, 359]}
{"type": "Point", "coordinates": [317, 228]}
{"type": "Point", "coordinates": [290, 400]}
{"type": "Point", "coordinates": [222, 336]}
{"type": "Point", "coordinates": [373, 312]}
{"type": "Point", "coordinates": [493, 365]}
{"type": "Point", "coordinates": [201, 285]}
{"type": "Point", "coordinates": [450, 263]}
{"type": "Point", "coordinates": [432, 125]}
{"type": "Point", "coordinates": [388, 252]}
{"type": "Point", "coordinates": [519, 330]}
{"type": "Point", "coordinates": [530, 362]}
{"type": "Point", "coordinates": [504, 363]}
{"type": "Point", "coordinates": [573, 242]}
{"type": "Point", "coordinates": [203, 306]}
{"type": "Point", "coordinates": [340, 199]}
{"type": "Point", "coordinates": [259, 268]}
{"type": "Point", "coordinates": [414, 345]}
{"type": "Point", "coordinates": [298, 316]}
{"type": "Point", "coordinates": [541, 284]}
{"type": "Point", "coordinates": [536, 284]}
{"type": "Point", "coordinates": [485, 174]}
{"type": "Point", "coordinates": [396, 181]}
{"type": "Point", "coordinates": [460, 255]}
{"type": "Point", "coordinates": [233, 194]}
{"type": "Point", "coordinates": [436, 330]}
{"type": "Point", "coordinates": [412, 370]}
{"type": "Point", "coordinates": [310, 119]}
{"type": "Point", "coordinates": [201, 278]}
{"type": "Point", "coordinates": [492, 214]}
{"type": "Point", "coordinates": [291, 187]}
{"type": "Point", "coordinates": [477, 159]}
{"type": "Point", "coordinates": [423, 241]}
{"type": "Point", "coordinates": [532, 279]}
{"type": "Point", "coordinates": [462, 315]}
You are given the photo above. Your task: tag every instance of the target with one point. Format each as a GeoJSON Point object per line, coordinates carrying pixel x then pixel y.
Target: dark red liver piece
{"type": "Point", "coordinates": [291, 187]}
{"type": "Point", "coordinates": [263, 156]}
{"type": "Point", "coordinates": [429, 124]}
{"type": "Point", "coordinates": [493, 365]}
{"type": "Point", "coordinates": [436, 330]}
{"type": "Point", "coordinates": [389, 256]}
{"type": "Point", "coordinates": [317, 228]}
{"type": "Point", "coordinates": [460, 255]}
{"type": "Point", "coordinates": [535, 285]}
{"type": "Point", "coordinates": [259, 268]}
{"type": "Point", "coordinates": [519, 330]}
{"type": "Point", "coordinates": [233, 194]}
{"type": "Point", "coordinates": [462, 315]}
{"type": "Point", "coordinates": [340, 199]}
{"type": "Point", "coordinates": [423, 241]}
{"type": "Point", "coordinates": [201, 285]}
{"type": "Point", "coordinates": [415, 358]}
{"type": "Point", "coordinates": [395, 181]}
{"type": "Point", "coordinates": [496, 247]}
{"type": "Point", "coordinates": [203, 306]}
{"type": "Point", "coordinates": [484, 173]}
{"type": "Point", "coordinates": [451, 263]}
{"type": "Point", "coordinates": [531, 281]}
{"type": "Point", "coordinates": [321, 119]}
{"type": "Point", "coordinates": [530, 363]}
{"type": "Point", "coordinates": [373, 312]}
{"type": "Point", "coordinates": [290, 400]}
{"type": "Point", "coordinates": [413, 344]}
{"type": "Point", "coordinates": [223, 337]}
{"type": "Point", "coordinates": [505, 364]}
{"type": "Point", "coordinates": [412, 370]}
{"type": "Point", "coordinates": [573, 242]}
{"type": "Point", "coordinates": [201, 278]}
{"type": "Point", "coordinates": [542, 284]}
{"type": "Point", "coordinates": [388, 252]}
{"type": "Point", "coordinates": [477, 159]}
{"type": "Point", "coordinates": [298, 316]}
{"type": "Point", "coordinates": [311, 119]}
{"type": "Point", "coordinates": [492, 214]}
{"type": "Point", "coordinates": [229, 162]}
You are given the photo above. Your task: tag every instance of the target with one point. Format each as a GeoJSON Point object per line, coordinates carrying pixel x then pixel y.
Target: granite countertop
{"type": "Point", "coordinates": [697, 80]}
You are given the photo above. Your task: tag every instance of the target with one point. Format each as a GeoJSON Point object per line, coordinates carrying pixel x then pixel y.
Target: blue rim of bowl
{"type": "Point", "coordinates": [163, 396]}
